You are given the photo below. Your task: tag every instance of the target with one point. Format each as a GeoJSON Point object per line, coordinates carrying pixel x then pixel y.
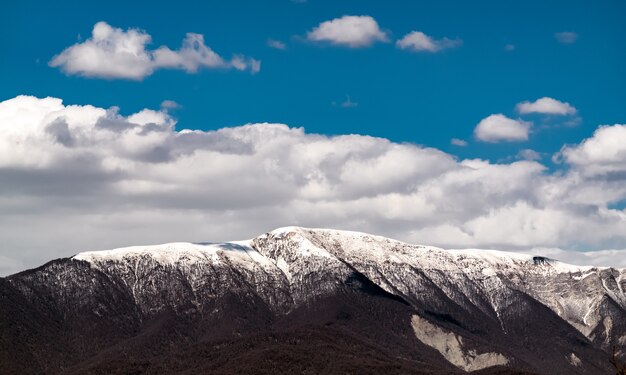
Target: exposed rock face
{"type": "Point", "coordinates": [451, 346]}
{"type": "Point", "coordinates": [315, 298]}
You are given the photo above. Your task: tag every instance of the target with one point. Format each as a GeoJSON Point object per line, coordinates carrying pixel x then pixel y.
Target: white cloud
{"type": "Point", "coordinates": [417, 41]}
{"type": "Point", "coordinates": [566, 37]}
{"type": "Point", "coordinates": [120, 180]}
{"type": "Point", "coordinates": [350, 31]}
{"type": "Point", "coordinates": [276, 44]}
{"type": "Point", "coordinates": [499, 128]}
{"type": "Point", "coordinates": [602, 154]}
{"type": "Point", "coordinates": [546, 105]}
{"type": "Point", "coordinates": [458, 142]}
{"type": "Point", "coordinates": [114, 53]}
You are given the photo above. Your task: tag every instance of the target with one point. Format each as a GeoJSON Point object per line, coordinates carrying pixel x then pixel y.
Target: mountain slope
{"type": "Point", "coordinates": [298, 297]}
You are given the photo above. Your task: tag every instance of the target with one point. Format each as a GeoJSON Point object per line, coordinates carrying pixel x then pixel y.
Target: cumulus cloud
{"type": "Point", "coordinates": [499, 128]}
{"type": "Point", "coordinates": [546, 105]}
{"type": "Point", "coordinates": [417, 41]}
{"type": "Point", "coordinates": [114, 53]}
{"type": "Point", "coordinates": [566, 37]}
{"type": "Point", "coordinates": [349, 31]}
{"type": "Point", "coordinates": [84, 177]}
{"type": "Point", "coordinates": [604, 154]}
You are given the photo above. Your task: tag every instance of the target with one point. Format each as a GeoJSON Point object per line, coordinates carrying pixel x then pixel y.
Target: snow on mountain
{"type": "Point", "coordinates": [179, 252]}
{"type": "Point", "coordinates": [371, 246]}
{"type": "Point", "coordinates": [308, 260]}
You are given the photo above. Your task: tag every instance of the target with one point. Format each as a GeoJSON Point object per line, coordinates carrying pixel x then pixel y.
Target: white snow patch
{"type": "Point", "coordinates": [583, 276]}
{"type": "Point", "coordinates": [284, 267]}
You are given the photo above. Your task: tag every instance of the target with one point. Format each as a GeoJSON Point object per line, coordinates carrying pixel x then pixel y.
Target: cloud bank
{"type": "Point", "coordinates": [113, 53]}
{"type": "Point", "coordinates": [81, 177]}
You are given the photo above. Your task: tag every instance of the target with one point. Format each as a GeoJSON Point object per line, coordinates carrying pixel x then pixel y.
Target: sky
{"type": "Point", "coordinates": [483, 124]}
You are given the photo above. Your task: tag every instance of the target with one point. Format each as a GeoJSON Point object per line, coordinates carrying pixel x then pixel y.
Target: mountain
{"type": "Point", "coordinates": [311, 301]}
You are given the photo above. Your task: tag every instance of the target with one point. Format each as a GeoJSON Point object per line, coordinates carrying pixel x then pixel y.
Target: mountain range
{"type": "Point", "coordinates": [298, 300]}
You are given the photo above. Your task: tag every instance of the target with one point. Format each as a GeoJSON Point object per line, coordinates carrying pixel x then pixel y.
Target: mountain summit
{"type": "Point", "coordinates": [311, 301]}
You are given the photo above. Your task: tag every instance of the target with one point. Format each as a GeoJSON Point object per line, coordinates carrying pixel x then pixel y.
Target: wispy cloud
{"type": "Point", "coordinates": [348, 103]}
{"type": "Point", "coordinates": [566, 37]}
{"type": "Point", "coordinates": [458, 142]}
{"type": "Point", "coordinates": [417, 41]}
{"type": "Point", "coordinates": [276, 44]}
{"type": "Point", "coordinates": [528, 154]}
{"type": "Point", "coordinates": [167, 105]}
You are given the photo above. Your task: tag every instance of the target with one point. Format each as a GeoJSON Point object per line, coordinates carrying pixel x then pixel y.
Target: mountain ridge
{"type": "Point", "coordinates": [502, 253]}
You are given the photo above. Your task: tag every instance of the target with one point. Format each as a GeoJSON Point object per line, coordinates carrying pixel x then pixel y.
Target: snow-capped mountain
{"type": "Point", "coordinates": [393, 306]}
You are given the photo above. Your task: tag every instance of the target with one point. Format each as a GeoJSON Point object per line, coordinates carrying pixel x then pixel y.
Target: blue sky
{"type": "Point", "coordinates": [495, 124]}
{"type": "Point", "coordinates": [425, 98]}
